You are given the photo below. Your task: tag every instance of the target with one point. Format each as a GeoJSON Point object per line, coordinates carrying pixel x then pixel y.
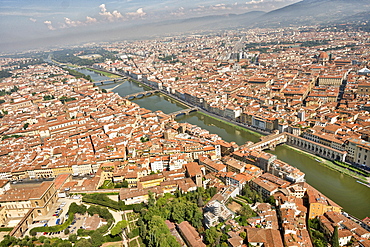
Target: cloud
{"type": "Point", "coordinates": [49, 25]}
{"type": "Point", "coordinates": [90, 19]}
{"type": "Point", "coordinates": [71, 23]}
{"type": "Point", "coordinates": [220, 6]}
{"type": "Point", "coordinates": [254, 2]}
{"type": "Point", "coordinates": [32, 19]}
{"type": "Point", "coordinates": [139, 13]}
{"type": "Point", "coordinates": [110, 16]}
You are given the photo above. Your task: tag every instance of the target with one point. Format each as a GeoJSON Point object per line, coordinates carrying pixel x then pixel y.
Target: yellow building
{"type": "Point", "coordinates": [318, 209]}
{"type": "Point", "coordinates": [151, 180]}
{"type": "Point", "coordinates": [17, 202]}
{"type": "Point", "coordinates": [65, 169]}
{"type": "Point", "coordinates": [318, 203]}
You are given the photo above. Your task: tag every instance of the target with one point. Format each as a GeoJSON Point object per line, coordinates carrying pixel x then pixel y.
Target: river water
{"type": "Point", "coordinates": [344, 190]}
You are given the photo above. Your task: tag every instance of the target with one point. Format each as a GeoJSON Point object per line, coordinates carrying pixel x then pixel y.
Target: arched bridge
{"type": "Point", "coordinates": [141, 94]}
{"type": "Point", "coordinates": [269, 142]}
{"type": "Point", "coordinates": [109, 81]}
{"type": "Point", "coordinates": [183, 112]}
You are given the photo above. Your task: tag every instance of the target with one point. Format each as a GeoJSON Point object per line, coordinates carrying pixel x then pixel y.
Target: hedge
{"type": "Point", "coordinates": [101, 200]}
{"type": "Point", "coordinates": [56, 228]}
{"type": "Point", "coordinates": [6, 229]}
{"type": "Point", "coordinates": [71, 214]}
{"type": "Point", "coordinates": [245, 198]}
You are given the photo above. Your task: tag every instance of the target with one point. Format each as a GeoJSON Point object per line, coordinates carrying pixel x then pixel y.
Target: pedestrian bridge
{"type": "Point", "coordinates": [183, 112]}
{"type": "Point", "coordinates": [140, 95]}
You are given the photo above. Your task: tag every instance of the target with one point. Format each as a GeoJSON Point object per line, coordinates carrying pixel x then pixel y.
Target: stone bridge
{"type": "Point", "coordinates": [183, 112]}
{"type": "Point", "coordinates": [269, 142]}
{"type": "Point", "coordinates": [109, 81]}
{"type": "Point", "coordinates": [141, 94]}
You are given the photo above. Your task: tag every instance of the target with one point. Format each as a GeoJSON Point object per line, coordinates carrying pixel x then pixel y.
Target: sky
{"type": "Point", "coordinates": [26, 24]}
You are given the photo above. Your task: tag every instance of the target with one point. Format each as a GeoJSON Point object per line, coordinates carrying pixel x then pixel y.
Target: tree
{"type": "Point", "coordinates": [158, 234]}
{"type": "Point", "coordinates": [119, 227]}
{"type": "Point", "coordinates": [246, 211]}
{"type": "Point", "coordinates": [83, 243]}
{"type": "Point", "coordinates": [79, 209]}
{"type": "Point", "coordinates": [104, 90]}
{"type": "Point", "coordinates": [25, 126]}
{"type": "Point", "coordinates": [72, 238]}
{"type": "Point", "coordinates": [335, 238]}
{"type": "Point", "coordinates": [151, 199]}
{"type": "Point", "coordinates": [64, 244]}
{"type": "Point", "coordinates": [271, 200]}
{"type": "Point", "coordinates": [96, 239]}
{"type": "Point", "coordinates": [200, 201]}
{"type": "Point", "coordinates": [66, 231]}
{"type": "Point", "coordinates": [212, 236]}
{"type": "Point", "coordinates": [243, 235]}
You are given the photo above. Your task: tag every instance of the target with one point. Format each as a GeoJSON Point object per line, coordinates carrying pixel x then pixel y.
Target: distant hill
{"type": "Point", "coordinates": [211, 22]}
{"type": "Point", "coordinates": [308, 12]}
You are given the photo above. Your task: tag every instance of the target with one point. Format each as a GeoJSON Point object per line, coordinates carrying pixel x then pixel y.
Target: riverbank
{"type": "Point", "coordinates": [230, 123]}
{"type": "Point", "coordinates": [329, 164]}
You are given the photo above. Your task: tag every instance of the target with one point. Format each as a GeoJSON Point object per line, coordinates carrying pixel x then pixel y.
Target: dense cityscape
{"type": "Point", "coordinates": [84, 165]}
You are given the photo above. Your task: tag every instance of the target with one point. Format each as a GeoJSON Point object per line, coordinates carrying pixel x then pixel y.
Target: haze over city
{"type": "Point", "coordinates": [33, 24]}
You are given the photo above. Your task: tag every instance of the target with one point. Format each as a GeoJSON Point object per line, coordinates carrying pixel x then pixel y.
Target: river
{"type": "Point", "coordinates": [344, 190]}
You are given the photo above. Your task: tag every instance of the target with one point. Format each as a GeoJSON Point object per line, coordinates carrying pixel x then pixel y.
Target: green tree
{"type": "Point", "coordinates": [96, 239]}
{"type": "Point", "coordinates": [64, 244]}
{"type": "Point", "coordinates": [212, 236]}
{"type": "Point", "coordinates": [200, 201]}
{"type": "Point", "coordinates": [158, 234]}
{"type": "Point", "coordinates": [83, 243]}
{"type": "Point", "coordinates": [335, 238]}
{"type": "Point", "coordinates": [72, 238]}
{"type": "Point", "coordinates": [151, 199]}
{"type": "Point", "coordinates": [25, 126]}
{"type": "Point", "coordinates": [271, 200]}
{"type": "Point", "coordinates": [319, 243]}
{"type": "Point", "coordinates": [79, 209]}
{"type": "Point", "coordinates": [246, 211]}
{"type": "Point", "coordinates": [119, 227]}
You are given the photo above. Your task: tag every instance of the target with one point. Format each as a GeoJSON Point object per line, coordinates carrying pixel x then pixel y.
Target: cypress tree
{"type": "Point", "coordinates": [335, 238]}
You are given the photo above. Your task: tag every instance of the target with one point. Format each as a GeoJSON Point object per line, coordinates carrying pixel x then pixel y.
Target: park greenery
{"type": "Point", "coordinates": [48, 97]}
{"type": "Point", "coordinates": [4, 92]}
{"type": "Point", "coordinates": [78, 74]}
{"type": "Point", "coordinates": [10, 136]}
{"type": "Point", "coordinates": [65, 99]}
{"type": "Point", "coordinates": [69, 56]}
{"type": "Point", "coordinates": [5, 74]}
{"type": "Point", "coordinates": [108, 184]}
